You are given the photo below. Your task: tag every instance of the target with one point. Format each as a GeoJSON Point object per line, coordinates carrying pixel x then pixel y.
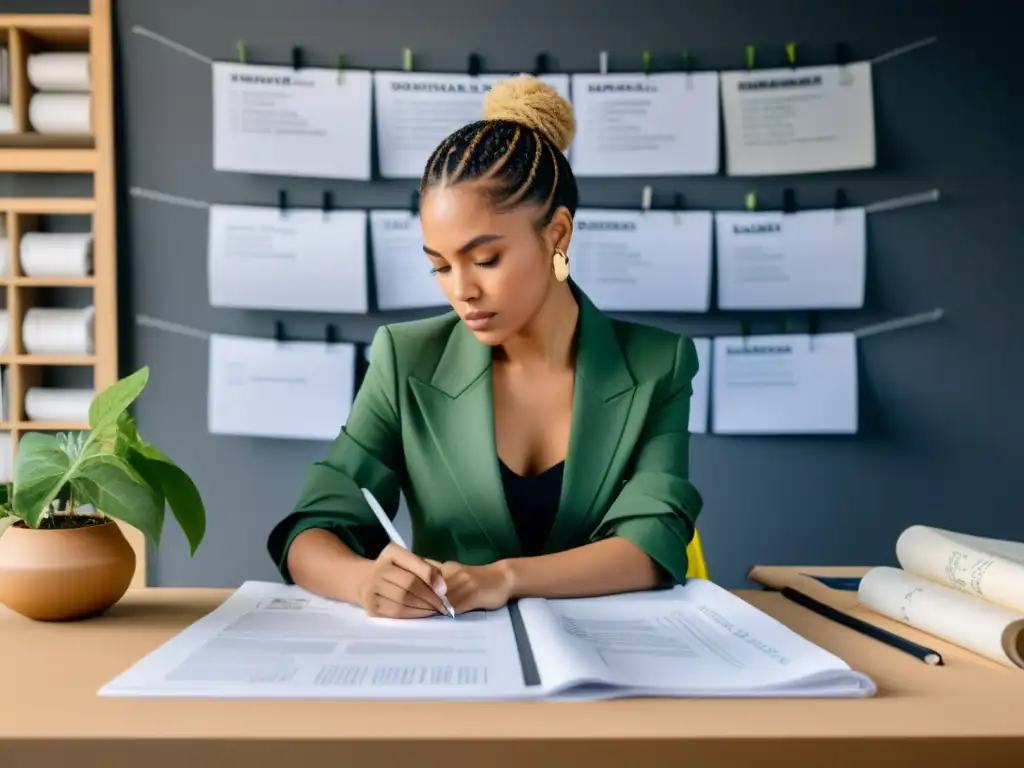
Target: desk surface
{"type": "Point", "coordinates": [51, 673]}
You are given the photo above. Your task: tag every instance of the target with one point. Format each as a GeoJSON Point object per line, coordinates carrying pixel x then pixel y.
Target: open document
{"type": "Point", "coordinates": [278, 641]}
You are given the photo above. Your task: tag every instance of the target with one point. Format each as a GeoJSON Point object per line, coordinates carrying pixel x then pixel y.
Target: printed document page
{"type": "Point", "coordinates": [297, 260]}
{"type": "Point", "coordinates": [643, 261]}
{"type": "Point", "coordinates": [803, 260]}
{"type": "Point", "coordinates": [785, 384]}
{"type": "Point", "coordinates": [415, 110]}
{"type": "Point", "coordinates": [314, 122]}
{"type": "Point", "coordinates": [301, 390]}
{"type": "Point", "coordinates": [279, 641]}
{"type": "Point", "coordinates": [694, 640]}
{"type": "Point", "coordinates": [662, 124]}
{"type": "Point", "coordinates": [803, 120]}
{"type": "Point", "coordinates": [401, 269]}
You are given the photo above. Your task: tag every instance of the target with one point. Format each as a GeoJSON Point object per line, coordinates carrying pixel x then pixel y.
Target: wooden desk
{"type": "Point", "coordinates": [50, 714]}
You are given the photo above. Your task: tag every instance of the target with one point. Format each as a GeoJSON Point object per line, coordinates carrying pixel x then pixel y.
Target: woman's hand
{"type": "Point", "coordinates": [400, 585]}
{"type": "Point", "coordinates": [476, 587]}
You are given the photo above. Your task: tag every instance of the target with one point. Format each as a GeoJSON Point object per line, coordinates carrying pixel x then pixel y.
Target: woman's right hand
{"type": "Point", "coordinates": [400, 585]}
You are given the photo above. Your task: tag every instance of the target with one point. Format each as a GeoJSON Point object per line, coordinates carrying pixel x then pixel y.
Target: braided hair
{"type": "Point", "coordinates": [517, 151]}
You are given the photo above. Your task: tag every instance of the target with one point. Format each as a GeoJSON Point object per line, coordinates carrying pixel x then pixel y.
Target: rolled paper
{"type": "Point", "coordinates": [6, 118]}
{"type": "Point", "coordinates": [5, 251]}
{"type": "Point", "coordinates": [66, 71]}
{"type": "Point", "coordinates": [58, 404]}
{"type": "Point", "coordinates": [6, 458]}
{"type": "Point", "coordinates": [50, 254]}
{"type": "Point", "coordinates": [53, 331]}
{"type": "Point", "coordinates": [5, 331]}
{"type": "Point", "coordinates": [60, 112]}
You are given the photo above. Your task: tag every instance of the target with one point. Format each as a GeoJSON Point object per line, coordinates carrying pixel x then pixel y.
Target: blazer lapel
{"type": "Point", "coordinates": [457, 405]}
{"type": "Point", "coordinates": [605, 396]}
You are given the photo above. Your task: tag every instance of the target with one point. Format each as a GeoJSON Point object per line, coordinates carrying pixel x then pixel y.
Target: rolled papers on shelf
{"type": "Point", "coordinates": [53, 331]}
{"type": "Point", "coordinates": [65, 71]}
{"type": "Point", "coordinates": [52, 254]}
{"type": "Point", "coordinates": [5, 331]}
{"type": "Point", "coordinates": [58, 404]}
{"type": "Point", "coordinates": [61, 112]}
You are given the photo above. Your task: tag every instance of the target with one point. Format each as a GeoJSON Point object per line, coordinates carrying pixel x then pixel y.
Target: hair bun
{"type": "Point", "coordinates": [532, 102]}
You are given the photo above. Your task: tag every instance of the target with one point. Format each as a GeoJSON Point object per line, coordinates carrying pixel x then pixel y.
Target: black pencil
{"type": "Point", "coordinates": [927, 655]}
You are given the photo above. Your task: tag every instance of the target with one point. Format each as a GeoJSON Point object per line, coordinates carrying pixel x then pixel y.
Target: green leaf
{"type": "Point", "coordinates": [184, 500]}
{"type": "Point", "coordinates": [177, 487]}
{"type": "Point", "coordinates": [107, 407]}
{"type": "Point", "coordinates": [41, 469]}
{"type": "Point", "coordinates": [115, 488]}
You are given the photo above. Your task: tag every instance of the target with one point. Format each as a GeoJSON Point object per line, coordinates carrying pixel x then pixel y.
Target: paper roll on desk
{"type": "Point", "coordinates": [66, 71]}
{"type": "Point", "coordinates": [990, 630]}
{"type": "Point", "coordinates": [50, 331]}
{"type": "Point", "coordinates": [60, 112]}
{"type": "Point", "coordinates": [58, 404]}
{"type": "Point", "coordinates": [989, 569]}
{"type": "Point", "coordinates": [53, 254]}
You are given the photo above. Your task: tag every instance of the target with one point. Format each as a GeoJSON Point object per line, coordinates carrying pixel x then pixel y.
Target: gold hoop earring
{"type": "Point", "coordinates": [561, 265]}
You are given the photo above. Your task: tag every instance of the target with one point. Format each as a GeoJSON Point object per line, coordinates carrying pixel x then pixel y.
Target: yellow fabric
{"type": "Point", "coordinates": [697, 567]}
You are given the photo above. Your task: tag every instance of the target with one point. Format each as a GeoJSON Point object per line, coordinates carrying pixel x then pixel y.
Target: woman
{"type": "Point", "coordinates": [543, 447]}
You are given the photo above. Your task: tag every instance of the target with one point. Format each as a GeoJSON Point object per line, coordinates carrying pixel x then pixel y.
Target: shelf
{"type": "Point", "coordinates": [68, 360]}
{"type": "Point", "coordinates": [51, 282]}
{"type": "Point", "coordinates": [48, 205]}
{"type": "Point", "coordinates": [51, 426]}
{"type": "Point", "coordinates": [46, 159]}
{"type": "Point", "coordinates": [56, 28]}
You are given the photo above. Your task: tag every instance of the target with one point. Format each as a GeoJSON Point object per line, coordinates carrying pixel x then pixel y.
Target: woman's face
{"type": "Point", "coordinates": [494, 267]}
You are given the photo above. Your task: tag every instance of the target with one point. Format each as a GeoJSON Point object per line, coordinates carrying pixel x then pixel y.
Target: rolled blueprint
{"type": "Point", "coordinates": [49, 331]}
{"type": "Point", "coordinates": [66, 71]}
{"type": "Point", "coordinates": [987, 629]}
{"type": "Point", "coordinates": [990, 569]}
{"type": "Point", "coordinates": [60, 112]}
{"type": "Point", "coordinates": [58, 404]}
{"type": "Point", "coordinates": [53, 254]}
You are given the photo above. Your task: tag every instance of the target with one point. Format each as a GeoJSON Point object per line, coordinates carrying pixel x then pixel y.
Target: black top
{"type": "Point", "coordinates": [533, 501]}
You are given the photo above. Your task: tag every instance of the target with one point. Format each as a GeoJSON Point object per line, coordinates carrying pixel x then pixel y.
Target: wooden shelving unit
{"type": "Point", "coordinates": [28, 151]}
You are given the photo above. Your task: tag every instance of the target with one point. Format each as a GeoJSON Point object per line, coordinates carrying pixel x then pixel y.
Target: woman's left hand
{"type": "Point", "coordinates": [476, 587]}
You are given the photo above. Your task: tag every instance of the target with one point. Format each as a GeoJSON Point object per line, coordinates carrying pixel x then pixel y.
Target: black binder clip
{"type": "Point", "coordinates": [328, 202]}
{"type": "Point", "coordinates": [840, 202]}
{"type": "Point", "coordinates": [474, 64]}
{"type": "Point", "coordinates": [788, 201]}
{"type": "Point", "coordinates": [282, 201]}
{"type": "Point", "coordinates": [744, 330]}
{"type": "Point", "coordinates": [414, 205]}
{"type": "Point", "coordinates": [680, 204]}
{"type": "Point", "coordinates": [541, 65]}
{"type": "Point", "coordinates": [296, 58]}
{"type": "Point", "coordinates": [812, 329]}
{"type": "Point", "coordinates": [330, 334]}
{"type": "Point", "coordinates": [279, 332]}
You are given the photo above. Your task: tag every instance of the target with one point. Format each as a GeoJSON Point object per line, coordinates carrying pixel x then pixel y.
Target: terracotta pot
{"type": "Point", "coordinates": [64, 574]}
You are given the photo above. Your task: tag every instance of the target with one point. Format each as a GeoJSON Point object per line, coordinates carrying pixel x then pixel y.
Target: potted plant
{"type": "Point", "coordinates": [62, 553]}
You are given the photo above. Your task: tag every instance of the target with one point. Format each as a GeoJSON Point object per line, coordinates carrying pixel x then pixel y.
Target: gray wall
{"type": "Point", "coordinates": [941, 421]}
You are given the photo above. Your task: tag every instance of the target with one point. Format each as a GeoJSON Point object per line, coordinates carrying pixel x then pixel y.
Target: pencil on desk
{"type": "Point", "coordinates": [927, 655]}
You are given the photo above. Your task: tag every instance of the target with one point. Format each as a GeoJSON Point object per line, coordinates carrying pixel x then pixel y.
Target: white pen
{"type": "Point", "coordinates": [395, 536]}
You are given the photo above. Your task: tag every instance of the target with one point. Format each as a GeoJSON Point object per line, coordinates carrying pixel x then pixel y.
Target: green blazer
{"type": "Point", "coordinates": [422, 423]}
